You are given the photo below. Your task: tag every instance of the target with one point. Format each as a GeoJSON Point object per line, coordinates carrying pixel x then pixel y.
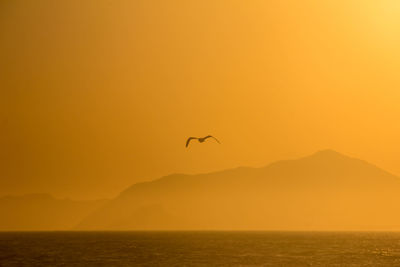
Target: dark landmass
{"type": "Point", "coordinates": [324, 191]}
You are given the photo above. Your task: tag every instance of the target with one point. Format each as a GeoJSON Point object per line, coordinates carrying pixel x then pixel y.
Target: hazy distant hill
{"type": "Point", "coordinates": [325, 191]}
{"type": "Point", "coordinates": [43, 212]}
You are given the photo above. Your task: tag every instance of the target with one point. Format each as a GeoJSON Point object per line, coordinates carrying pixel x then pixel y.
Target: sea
{"type": "Point", "coordinates": [199, 248]}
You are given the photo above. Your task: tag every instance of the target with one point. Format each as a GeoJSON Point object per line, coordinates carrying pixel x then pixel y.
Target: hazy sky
{"type": "Point", "coordinates": [96, 95]}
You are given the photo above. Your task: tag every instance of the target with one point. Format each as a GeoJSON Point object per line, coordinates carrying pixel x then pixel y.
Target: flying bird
{"type": "Point", "coordinates": [201, 139]}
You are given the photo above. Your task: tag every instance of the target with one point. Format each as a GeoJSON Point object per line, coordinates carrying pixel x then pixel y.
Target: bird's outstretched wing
{"type": "Point", "coordinates": [188, 141]}
{"type": "Point", "coordinates": [210, 136]}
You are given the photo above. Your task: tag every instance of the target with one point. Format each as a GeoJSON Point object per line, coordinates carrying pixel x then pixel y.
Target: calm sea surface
{"type": "Point", "coordinates": [199, 249]}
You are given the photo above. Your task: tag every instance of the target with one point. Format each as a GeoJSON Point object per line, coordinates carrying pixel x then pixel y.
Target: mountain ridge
{"type": "Point", "coordinates": [282, 195]}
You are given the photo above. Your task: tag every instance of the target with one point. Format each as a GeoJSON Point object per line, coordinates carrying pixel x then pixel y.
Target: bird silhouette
{"type": "Point", "coordinates": [201, 139]}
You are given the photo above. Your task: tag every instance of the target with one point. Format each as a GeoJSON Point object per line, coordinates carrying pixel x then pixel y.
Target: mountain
{"type": "Point", "coordinates": [34, 212]}
{"type": "Point", "coordinates": [324, 191]}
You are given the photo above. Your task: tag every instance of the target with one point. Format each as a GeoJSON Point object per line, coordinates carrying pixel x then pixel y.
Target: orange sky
{"type": "Point", "coordinates": [98, 95]}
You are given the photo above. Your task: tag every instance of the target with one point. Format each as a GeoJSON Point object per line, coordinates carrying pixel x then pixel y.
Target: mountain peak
{"type": "Point", "coordinates": [328, 154]}
{"type": "Point", "coordinates": [319, 191]}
